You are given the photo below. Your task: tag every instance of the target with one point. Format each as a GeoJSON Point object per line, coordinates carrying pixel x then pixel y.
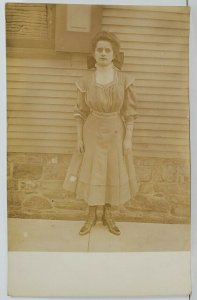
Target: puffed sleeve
{"type": "Point", "coordinates": [81, 109]}
{"type": "Point", "coordinates": [128, 110]}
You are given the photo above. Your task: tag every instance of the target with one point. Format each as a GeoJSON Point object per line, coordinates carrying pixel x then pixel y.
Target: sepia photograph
{"type": "Point", "coordinates": [98, 128]}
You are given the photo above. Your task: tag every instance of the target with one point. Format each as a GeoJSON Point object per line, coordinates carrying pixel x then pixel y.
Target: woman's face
{"type": "Point", "coordinates": [103, 53]}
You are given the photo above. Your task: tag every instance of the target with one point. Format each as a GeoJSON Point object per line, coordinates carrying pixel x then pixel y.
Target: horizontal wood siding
{"type": "Point", "coordinates": [26, 21]}
{"type": "Point", "coordinates": [42, 93]}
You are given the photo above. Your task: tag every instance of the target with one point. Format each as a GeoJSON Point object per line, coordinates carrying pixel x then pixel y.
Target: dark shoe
{"type": "Point", "coordinates": [91, 221]}
{"type": "Point", "coordinates": [107, 220]}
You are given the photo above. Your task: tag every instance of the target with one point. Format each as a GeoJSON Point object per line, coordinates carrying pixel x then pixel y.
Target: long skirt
{"type": "Point", "coordinates": [104, 174]}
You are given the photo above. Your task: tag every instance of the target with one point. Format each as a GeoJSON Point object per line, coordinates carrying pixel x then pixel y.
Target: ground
{"type": "Point", "coordinates": [63, 236]}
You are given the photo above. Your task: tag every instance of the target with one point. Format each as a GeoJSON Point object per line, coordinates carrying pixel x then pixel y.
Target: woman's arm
{"type": "Point", "coordinates": [80, 144]}
{"type": "Point", "coordinates": [127, 143]}
{"type": "Point", "coordinates": [80, 113]}
{"type": "Point", "coordinates": [129, 112]}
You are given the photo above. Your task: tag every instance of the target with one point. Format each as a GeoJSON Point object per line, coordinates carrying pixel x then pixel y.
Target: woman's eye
{"type": "Point", "coordinates": [106, 50]}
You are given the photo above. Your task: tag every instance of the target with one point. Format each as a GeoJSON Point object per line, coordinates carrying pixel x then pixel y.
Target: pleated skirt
{"type": "Point", "coordinates": [105, 175]}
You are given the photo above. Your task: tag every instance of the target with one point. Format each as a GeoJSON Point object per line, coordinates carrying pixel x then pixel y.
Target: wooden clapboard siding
{"type": "Point", "coordinates": [25, 21]}
{"type": "Point", "coordinates": [61, 72]}
{"type": "Point", "coordinates": [64, 139]}
{"type": "Point", "coordinates": [168, 9]}
{"type": "Point", "coordinates": [29, 25]}
{"type": "Point", "coordinates": [42, 93]}
{"type": "Point", "coordinates": [59, 79]}
{"type": "Point", "coordinates": [42, 122]}
{"type": "Point", "coordinates": [68, 87]}
{"type": "Point", "coordinates": [143, 108]}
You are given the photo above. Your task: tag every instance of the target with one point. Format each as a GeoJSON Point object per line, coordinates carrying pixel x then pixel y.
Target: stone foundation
{"type": "Point", "coordinates": [35, 190]}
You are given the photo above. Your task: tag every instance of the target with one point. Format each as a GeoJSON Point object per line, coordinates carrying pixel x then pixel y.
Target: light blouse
{"type": "Point", "coordinates": [116, 96]}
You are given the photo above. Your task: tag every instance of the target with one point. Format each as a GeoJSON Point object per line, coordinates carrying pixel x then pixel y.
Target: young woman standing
{"type": "Point", "coordinates": [105, 113]}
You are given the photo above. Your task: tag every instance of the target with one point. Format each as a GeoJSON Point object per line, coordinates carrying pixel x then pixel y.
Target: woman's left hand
{"type": "Point", "coordinates": [127, 145]}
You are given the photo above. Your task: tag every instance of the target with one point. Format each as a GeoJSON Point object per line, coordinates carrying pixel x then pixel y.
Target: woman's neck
{"type": "Point", "coordinates": [108, 68]}
{"type": "Point", "coordinates": [104, 75]}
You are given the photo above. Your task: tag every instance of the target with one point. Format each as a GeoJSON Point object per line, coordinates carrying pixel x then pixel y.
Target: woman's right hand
{"type": "Point", "coordinates": [80, 146]}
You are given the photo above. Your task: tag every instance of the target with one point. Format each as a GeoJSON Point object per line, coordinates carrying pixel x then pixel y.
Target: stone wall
{"type": "Point", "coordinates": [35, 190]}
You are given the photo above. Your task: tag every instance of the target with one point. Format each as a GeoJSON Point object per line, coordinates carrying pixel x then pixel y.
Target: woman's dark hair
{"type": "Point", "coordinates": [107, 36]}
